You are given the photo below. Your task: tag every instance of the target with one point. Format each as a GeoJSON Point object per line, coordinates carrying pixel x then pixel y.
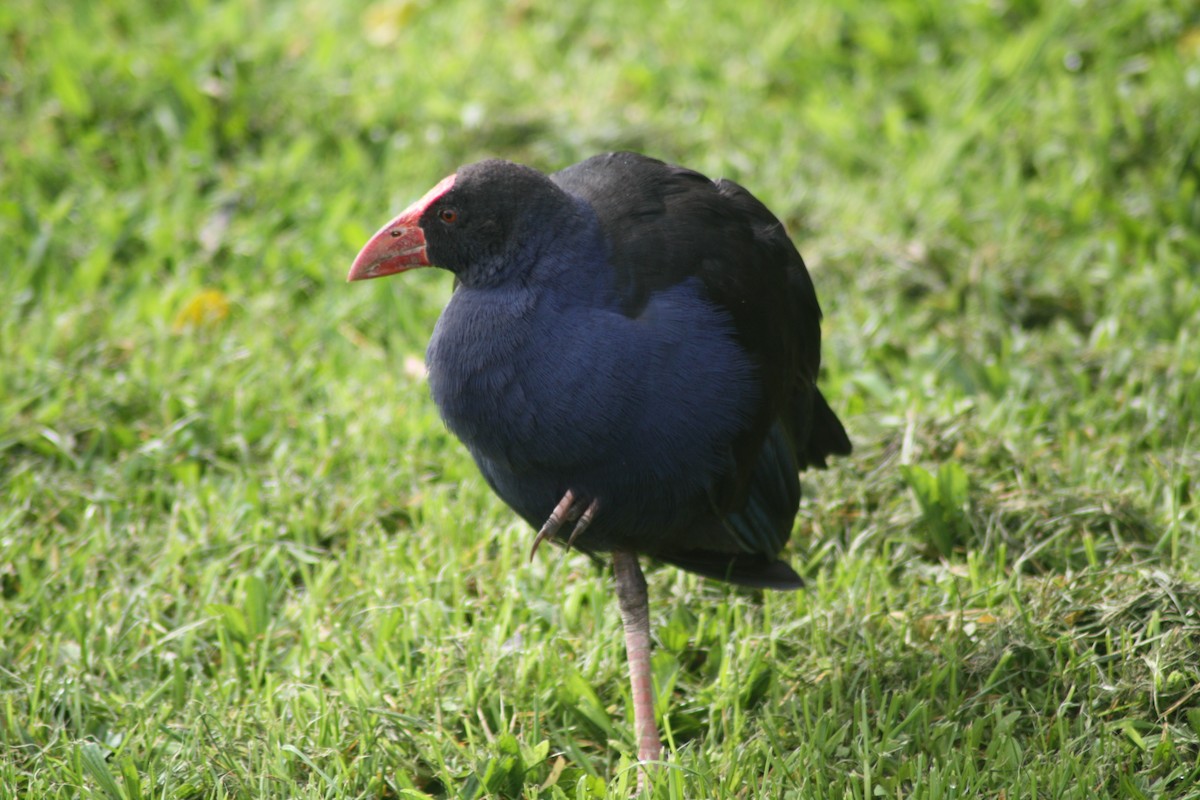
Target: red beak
{"type": "Point", "coordinates": [399, 245]}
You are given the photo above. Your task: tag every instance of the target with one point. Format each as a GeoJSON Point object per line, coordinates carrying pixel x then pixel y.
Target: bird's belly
{"type": "Point", "coordinates": [639, 413]}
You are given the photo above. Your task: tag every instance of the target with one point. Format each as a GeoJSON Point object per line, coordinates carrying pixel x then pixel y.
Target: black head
{"type": "Point", "coordinates": [489, 224]}
{"type": "Point", "coordinates": [486, 224]}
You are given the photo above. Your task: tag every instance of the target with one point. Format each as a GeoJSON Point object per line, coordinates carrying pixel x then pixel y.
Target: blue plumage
{"type": "Point", "coordinates": [630, 338]}
{"type": "Point", "coordinates": [550, 395]}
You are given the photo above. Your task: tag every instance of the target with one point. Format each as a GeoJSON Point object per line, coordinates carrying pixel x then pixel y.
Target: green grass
{"type": "Point", "coordinates": [241, 558]}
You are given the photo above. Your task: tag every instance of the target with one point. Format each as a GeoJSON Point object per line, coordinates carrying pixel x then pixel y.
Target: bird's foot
{"type": "Point", "coordinates": [567, 510]}
{"type": "Point", "coordinates": [585, 520]}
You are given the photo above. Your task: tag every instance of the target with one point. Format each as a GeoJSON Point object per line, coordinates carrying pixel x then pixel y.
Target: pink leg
{"type": "Point", "coordinates": [635, 615]}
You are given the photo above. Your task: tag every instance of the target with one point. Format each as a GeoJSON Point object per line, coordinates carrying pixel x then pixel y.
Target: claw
{"type": "Point", "coordinates": [565, 511]}
{"type": "Point", "coordinates": [559, 515]}
{"type": "Point", "coordinates": [584, 521]}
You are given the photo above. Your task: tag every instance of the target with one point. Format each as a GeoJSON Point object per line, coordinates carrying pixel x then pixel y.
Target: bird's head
{"type": "Point", "coordinates": [472, 223]}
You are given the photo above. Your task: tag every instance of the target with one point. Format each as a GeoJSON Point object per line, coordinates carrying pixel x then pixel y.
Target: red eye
{"type": "Point", "coordinates": [448, 215]}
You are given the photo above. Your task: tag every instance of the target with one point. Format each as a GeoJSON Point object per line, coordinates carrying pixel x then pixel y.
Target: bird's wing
{"type": "Point", "coordinates": [666, 224]}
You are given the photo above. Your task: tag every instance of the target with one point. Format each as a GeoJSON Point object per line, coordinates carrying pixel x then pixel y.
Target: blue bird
{"type": "Point", "coordinates": [630, 355]}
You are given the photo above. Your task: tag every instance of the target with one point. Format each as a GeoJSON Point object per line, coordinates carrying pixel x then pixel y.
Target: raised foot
{"type": "Point", "coordinates": [567, 510]}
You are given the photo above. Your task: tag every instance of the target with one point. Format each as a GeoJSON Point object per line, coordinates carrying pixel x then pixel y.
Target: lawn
{"type": "Point", "coordinates": [240, 556]}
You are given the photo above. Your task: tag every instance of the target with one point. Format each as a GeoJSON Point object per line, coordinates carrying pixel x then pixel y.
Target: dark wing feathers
{"type": "Point", "coordinates": [762, 523]}
{"type": "Point", "coordinates": [641, 203]}
{"type": "Point", "coordinates": [666, 224]}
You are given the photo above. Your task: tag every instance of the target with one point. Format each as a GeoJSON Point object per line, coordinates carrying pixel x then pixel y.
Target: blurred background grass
{"type": "Point", "coordinates": [240, 556]}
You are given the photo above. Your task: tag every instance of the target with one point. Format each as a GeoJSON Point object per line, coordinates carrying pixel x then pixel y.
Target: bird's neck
{"type": "Point", "coordinates": [563, 255]}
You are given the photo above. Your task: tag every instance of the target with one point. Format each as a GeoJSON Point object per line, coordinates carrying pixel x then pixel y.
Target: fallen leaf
{"type": "Point", "coordinates": [205, 309]}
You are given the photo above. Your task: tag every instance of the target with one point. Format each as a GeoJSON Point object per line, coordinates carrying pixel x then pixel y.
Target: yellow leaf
{"type": "Point", "coordinates": [205, 309]}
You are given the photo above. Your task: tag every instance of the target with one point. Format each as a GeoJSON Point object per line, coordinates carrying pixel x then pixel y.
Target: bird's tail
{"type": "Point", "coordinates": [826, 435]}
{"type": "Point", "coordinates": [745, 570]}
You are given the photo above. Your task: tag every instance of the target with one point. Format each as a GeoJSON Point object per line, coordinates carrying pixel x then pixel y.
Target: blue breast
{"type": "Point", "coordinates": [553, 388]}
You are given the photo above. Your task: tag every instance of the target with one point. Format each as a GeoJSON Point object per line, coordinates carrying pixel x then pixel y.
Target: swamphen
{"type": "Point", "coordinates": [630, 354]}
